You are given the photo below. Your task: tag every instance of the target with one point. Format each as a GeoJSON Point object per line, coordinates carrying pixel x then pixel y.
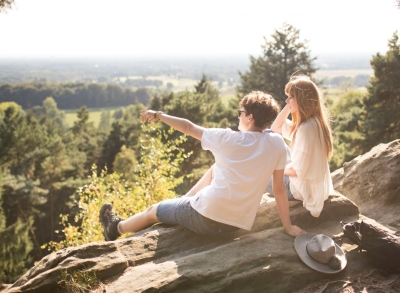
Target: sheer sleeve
{"type": "Point", "coordinates": [303, 150]}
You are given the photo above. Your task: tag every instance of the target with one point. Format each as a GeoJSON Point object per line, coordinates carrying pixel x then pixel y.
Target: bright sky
{"type": "Point", "coordinates": [58, 28]}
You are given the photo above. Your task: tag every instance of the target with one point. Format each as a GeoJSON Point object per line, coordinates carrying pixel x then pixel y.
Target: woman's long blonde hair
{"type": "Point", "coordinates": [310, 104]}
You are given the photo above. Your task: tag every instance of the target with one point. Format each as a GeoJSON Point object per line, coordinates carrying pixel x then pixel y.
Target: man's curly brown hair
{"type": "Point", "coordinates": [263, 107]}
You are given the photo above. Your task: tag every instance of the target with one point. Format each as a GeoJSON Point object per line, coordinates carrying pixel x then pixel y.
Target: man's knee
{"type": "Point", "coordinates": [151, 212]}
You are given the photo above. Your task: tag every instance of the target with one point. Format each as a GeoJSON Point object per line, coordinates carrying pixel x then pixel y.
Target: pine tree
{"type": "Point", "coordinates": [86, 139]}
{"type": "Point", "coordinates": [6, 4]}
{"type": "Point", "coordinates": [15, 246]}
{"type": "Point", "coordinates": [105, 121]}
{"type": "Point", "coordinates": [382, 106]}
{"type": "Point", "coordinates": [284, 55]}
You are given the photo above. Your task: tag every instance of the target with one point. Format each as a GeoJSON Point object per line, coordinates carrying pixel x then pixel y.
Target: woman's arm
{"type": "Point", "coordinates": [180, 124]}
{"type": "Point", "coordinates": [280, 119]}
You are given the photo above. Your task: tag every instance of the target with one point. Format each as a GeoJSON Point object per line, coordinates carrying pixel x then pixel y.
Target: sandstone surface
{"type": "Point", "coordinates": [173, 259]}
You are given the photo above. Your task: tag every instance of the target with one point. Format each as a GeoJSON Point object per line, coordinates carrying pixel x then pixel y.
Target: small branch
{"type": "Point", "coordinates": [370, 273]}
{"type": "Point", "coordinates": [346, 283]}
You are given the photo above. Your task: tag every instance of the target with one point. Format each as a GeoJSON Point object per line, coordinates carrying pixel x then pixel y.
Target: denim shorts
{"type": "Point", "coordinates": [178, 211]}
{"type": "Point", "coordinates": [287, 185]}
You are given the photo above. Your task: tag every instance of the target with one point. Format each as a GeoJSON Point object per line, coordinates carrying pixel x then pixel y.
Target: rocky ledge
{"type": "Point", "coordinates": [173, 259]}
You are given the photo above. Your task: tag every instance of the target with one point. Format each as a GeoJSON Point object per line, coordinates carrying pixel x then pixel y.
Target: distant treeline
{"type": "Point", "coordinates": [73, 95]}
{"type": "Point", "coordinates": [360, 80]}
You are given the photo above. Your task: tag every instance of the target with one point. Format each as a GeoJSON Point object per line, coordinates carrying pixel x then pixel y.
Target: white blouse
{"type": "Point", "coordinates": [313, 183]}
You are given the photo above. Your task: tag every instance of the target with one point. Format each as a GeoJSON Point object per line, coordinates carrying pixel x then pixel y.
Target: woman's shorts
{"type": "Point", "coordinates": [287, 185]}
{"type": "Point", "coordinates": [178, 211]}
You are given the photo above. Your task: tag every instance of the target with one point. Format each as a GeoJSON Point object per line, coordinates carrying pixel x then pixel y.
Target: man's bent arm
{"type": "Point", "coordinates": [282, 204]}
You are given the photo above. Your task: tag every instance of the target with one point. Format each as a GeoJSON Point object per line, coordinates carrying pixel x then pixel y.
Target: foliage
{"type": "Point", "coordinates": [49, 111]}
{"type": "Point", "coordinates": [73, 95]}
{"type": "Point", "coordinates": [155, 179]}
{"type": "Point", "coordinates": [348, 137]}
{"type": "Point", "coordinates": [5, 4]}
{"type": "Point", "coordinates": [360, 80]}
{"type": "Point", "coordinates": [15, 247]}
{"type": "Point", "coordinates": [203, 107]}
{"type": "Point", "coordinates": [382, 105]}
{"type": "Point", "coordinates": [126, 163]}
{"type": "Point", "coordinates": [79, 281]}
{"type": "Point", "coordinates": [364, 120]}
{"type": "Point", "coordinates": [42, 167]}
{"type": "Point", "coordinates": [284, 55]}
{"type": "Point", "coordinates": [105, 121]}
{"type": "Point", "coordinates": [124, 131]}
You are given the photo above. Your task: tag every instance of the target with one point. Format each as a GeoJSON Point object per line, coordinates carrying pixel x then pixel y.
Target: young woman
{"type": "Point", "coordinates": [307, 177]}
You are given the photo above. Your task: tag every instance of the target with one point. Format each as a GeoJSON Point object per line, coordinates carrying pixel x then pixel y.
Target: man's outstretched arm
{"type": "Point", "coordinates": [183, 125]}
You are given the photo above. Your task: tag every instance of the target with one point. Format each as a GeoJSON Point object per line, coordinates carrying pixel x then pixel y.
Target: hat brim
{"type": "Point", "coordinates": [300, 245]}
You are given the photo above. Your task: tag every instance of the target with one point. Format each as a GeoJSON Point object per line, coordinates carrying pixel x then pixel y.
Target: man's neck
{"type": "Point", "coordinates": [254, 129]}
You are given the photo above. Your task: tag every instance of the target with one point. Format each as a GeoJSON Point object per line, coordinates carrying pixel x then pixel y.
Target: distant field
{"type": "Point", "coordinates": [346, 72]}
{"type": "Point", "coordinates": [226, 92]}
{"type": "Point", "coordinates": [94, 115]}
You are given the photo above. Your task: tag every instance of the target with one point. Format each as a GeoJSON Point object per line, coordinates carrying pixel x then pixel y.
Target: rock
{"type": "Point", "coordinates": [173, 259]}
{"type": "Point", "coordinates": [372, 181]}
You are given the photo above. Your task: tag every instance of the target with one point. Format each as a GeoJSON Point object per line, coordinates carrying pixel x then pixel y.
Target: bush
{"type": "Point", "coordinates": [154, 181]}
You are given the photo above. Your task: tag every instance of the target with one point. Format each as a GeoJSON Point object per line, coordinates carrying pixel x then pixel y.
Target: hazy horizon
{"type": "Point", "coordinates": [169, 29]}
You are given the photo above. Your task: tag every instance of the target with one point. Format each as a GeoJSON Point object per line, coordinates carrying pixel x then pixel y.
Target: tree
{"type": "Point", "coordinates": [5, 4]}
{"type": "Point", "coordinates": [382, 106]}
{"type": "Point", "coordinates": [15, 246]}
{"type": "Point", "coordinates": [154, 179]}
{"type": "Point", "coordinates": [202, 106]}
{"type": "Point", "coordinates": [50, 111]}
{"type": "Point", "coordinates": [284, 55]}
{"type": "Point", "coordinates": [85, 138]}
{"type": "Point", "coordinates": [124, 131]}
{"type": "Point", "coordinates": [348, 116]}
{"type": "Point", "coordinates": [126, 163]}
{"type": "Point", "coordinates": [105, 121]}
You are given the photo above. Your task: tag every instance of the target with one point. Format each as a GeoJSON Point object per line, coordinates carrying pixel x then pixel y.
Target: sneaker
{"type": "Point", "coordinates": [110, 221]}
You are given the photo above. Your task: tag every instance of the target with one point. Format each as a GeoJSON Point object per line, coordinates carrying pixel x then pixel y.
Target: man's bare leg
{"type": "Point", "coordinates": [139, 221]}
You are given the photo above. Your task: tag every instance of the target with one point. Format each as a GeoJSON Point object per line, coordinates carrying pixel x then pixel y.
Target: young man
{"type": "Point", "coordinates": [227, 197]}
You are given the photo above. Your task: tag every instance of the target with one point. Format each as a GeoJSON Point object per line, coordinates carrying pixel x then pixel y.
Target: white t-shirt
{"type": "Point", "coordinates": [313, 183]}
{"type": "Point", "coordinates": [244, 163]}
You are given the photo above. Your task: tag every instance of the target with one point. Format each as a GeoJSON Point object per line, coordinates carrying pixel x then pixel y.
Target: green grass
{"type": "Point", "coordinates": [94, 115]}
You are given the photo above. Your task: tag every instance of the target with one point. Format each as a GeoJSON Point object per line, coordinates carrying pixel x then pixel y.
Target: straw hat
{"type": "Point", "coordinates": [320, 253]}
